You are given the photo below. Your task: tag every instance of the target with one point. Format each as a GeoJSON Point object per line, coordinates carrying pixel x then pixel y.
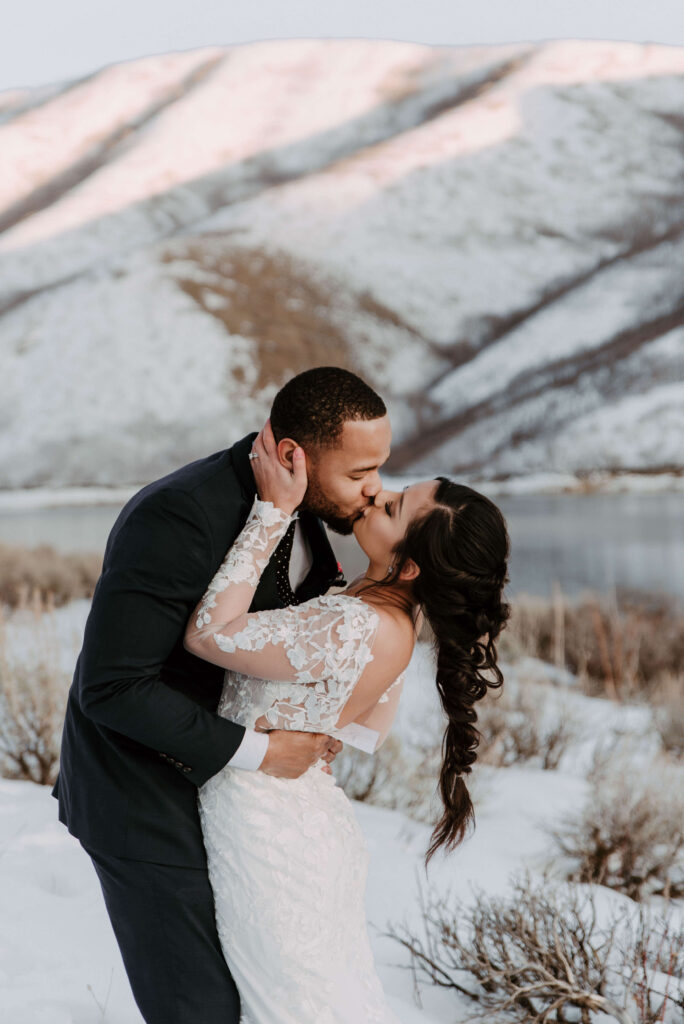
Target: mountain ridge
{"type": "Point", "coordinates": [490, 235]}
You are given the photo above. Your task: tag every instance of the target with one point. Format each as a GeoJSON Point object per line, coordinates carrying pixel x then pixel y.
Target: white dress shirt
{"type": "Point", "coordinates": [252, 749]}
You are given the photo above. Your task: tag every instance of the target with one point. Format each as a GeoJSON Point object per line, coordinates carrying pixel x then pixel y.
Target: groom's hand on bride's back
{"type": "Point", "coordinates": [290, 753]}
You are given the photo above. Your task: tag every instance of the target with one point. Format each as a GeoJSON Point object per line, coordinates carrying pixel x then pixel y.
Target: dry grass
{"type": "Point", "coordinates": [47, 573]}
{"type": "Point", "coordinates": [617, 647]}
{"type": "Point", "coordinates": [33, 693]}
{"type": "Point", "coordinates": [540, 956]}
{"type": "Point", "coordinates": [630, 834]}
{"type": "Point", "coordinates": [668, 696]}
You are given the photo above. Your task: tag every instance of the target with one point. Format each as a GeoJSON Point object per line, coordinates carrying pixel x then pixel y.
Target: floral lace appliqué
{"type": "Point", "coordinates": [247, 559]}
{"type": "Point", "coordinates": [328, 643]}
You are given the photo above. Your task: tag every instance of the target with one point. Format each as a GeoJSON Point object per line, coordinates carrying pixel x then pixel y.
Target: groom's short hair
{"type": "Point", "coordinates": [313, 407]}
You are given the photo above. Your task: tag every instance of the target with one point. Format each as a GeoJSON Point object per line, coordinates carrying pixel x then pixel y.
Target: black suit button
{"type": "Point", "coordinates": [186, 768]}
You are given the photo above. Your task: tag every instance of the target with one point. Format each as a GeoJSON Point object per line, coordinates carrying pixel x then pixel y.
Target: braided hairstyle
{"type": "Point", "coordinates": [461, 547]}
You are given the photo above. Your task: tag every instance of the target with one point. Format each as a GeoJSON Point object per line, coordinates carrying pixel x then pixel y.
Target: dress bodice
{"type": "Point", "coordinates": [288, 668]}
{"type": "Point", "coordinates": [328, 642]}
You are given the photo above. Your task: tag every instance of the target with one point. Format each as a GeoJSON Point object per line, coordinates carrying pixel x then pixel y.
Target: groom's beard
{"type": "Point", "coordinates": [315, 501]}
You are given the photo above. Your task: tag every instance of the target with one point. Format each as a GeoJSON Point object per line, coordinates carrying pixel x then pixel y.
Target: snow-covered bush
{"type": "Point", "coordinates": [546, 953]}
{"type": "Point", "coordinates": [394, 777]}
{"type": "Point", "coordinates": [518, 725]}
{"type": "Point", "coordinates": [630, 834]}
{"type": "Point", "coordinates": [33, 690]}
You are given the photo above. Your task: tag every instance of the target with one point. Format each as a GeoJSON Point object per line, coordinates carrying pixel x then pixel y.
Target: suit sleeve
{"type": "Point", "coordinates": [157, 568]}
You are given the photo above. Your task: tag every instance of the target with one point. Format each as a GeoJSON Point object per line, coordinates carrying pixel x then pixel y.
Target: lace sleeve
{"type": "Point", "coordinates": [323, 645]}
{"type": "Point", "coordinates": [231, 590]}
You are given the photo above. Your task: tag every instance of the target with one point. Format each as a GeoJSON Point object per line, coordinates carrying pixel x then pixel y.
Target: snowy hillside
{"type": "Point", "coordinates": [493, 236]}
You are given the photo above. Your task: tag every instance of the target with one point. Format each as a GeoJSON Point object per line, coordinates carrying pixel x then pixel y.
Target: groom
{"type": "Point", "coordinates": [141, 732]}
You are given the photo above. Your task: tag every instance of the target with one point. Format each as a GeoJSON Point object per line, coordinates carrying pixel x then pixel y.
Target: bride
{"type": "Point", "coordinates": [287, 859]}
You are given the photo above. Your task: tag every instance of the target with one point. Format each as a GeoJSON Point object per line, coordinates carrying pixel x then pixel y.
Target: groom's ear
{"type": "Point", "coordinates": [409, 571]}
{"type": "Point", "coordinates": [285, 449]}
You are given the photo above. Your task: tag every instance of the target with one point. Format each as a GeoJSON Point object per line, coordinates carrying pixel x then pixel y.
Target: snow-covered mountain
{"type": "Point", "coordinates": [492, 236]}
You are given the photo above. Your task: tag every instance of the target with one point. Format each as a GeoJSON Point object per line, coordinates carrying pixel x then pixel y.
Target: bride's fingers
{"type": "Point", "coordinates": [268, 461]}
{"type": "Point", "coordinates": [268, 438]}
{"type": "Point", "coordinates": [265, 446]}
{"type": "Point", "coordinates": [299, 468]}
{"type": "Point", "coordinates": [258, 445]}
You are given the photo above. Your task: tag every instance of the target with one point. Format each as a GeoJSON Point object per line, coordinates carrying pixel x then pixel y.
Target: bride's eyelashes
{"type": "Point", "coordinates": [388, 508]}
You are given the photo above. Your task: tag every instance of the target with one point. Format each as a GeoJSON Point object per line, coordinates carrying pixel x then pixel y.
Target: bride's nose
{"type": "Point", "coordinates": [383, 496]}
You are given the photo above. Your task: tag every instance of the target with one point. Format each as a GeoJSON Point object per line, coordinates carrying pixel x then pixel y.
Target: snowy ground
{"type": "Point", "coordinates": [59, 963]}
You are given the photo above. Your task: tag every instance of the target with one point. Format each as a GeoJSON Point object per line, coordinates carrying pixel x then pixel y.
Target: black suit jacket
{"type": "Point", "coordinates": [141, 732]}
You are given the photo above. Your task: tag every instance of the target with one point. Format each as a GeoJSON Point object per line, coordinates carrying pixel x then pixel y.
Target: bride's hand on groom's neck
{"type": "Point", "coordinates": [279, 470]}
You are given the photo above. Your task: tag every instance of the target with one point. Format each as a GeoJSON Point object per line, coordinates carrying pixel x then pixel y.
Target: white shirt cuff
{"type": "Point", "coordinates": [251, 752]}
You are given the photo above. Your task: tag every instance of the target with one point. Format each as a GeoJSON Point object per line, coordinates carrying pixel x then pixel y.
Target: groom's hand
{"type": "Point", "coordinates": [290, 753]}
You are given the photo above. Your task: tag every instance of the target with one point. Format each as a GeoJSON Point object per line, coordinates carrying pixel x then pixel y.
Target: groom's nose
{"type": "Point", "coordinates": [372, 487]}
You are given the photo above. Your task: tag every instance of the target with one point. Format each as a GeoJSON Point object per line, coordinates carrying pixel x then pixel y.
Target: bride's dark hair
{"type": "Point", "coordinates": [461, 547]}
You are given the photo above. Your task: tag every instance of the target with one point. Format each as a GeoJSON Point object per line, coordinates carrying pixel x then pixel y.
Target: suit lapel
{"type": "Point", "coordinates": [325, 569]}
{"type": "Point", "coordinates": [322, 574]}
{"type": "Point", "coordinates": [266, 595]}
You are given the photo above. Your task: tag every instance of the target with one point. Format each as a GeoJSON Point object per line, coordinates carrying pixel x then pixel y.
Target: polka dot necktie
{"type": "Point", "coordinates": [281, 561]}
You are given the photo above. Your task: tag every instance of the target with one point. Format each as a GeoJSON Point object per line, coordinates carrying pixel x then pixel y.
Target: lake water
{"type": "Point", "coordinates": [596, 542]}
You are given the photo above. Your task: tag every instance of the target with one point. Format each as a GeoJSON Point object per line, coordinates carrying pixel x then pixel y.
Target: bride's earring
{"type": "Point", "coordinates": [390, 570]}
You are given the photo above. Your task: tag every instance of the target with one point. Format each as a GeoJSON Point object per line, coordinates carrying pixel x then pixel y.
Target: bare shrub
{"type": "Point", "coordinates": [541, 955]}
{"type": "Point", "coordinates": [46, 572]}
{"type": "Point", "coordinates": [668, 695]}
{"type": "Point", "coordinates": [32, 700]}
{"type": "Point", "coordinates": [515, 727]}
{"type": "Point", "coordinates": [392, 778]}
{"type": "Point", "coordinates": [630, 834]}
{"type": "Point", "coordinates": [616, 646]}
{"type": "Point", "coordinates": [528, 629]}
{"type": "Point", "coordinates": [363, 775]}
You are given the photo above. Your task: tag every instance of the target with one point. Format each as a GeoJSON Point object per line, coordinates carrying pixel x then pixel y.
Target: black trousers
{"type": "Point", "coordinates": [163, 919]}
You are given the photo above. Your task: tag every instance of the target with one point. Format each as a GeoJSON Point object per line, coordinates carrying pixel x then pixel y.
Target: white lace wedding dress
{"type": "Point", "coordinates": [287, 858]}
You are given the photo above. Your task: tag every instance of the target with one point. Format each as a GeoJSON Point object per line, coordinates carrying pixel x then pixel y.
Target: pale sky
{"type": "Point", "coordinates": [51, 40]}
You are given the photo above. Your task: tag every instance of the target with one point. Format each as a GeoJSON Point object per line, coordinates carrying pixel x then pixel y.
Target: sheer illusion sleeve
{"type": "Point", "coordinates": [381, 716]}
{"type": "Point", "coordinates": [321, 647]}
